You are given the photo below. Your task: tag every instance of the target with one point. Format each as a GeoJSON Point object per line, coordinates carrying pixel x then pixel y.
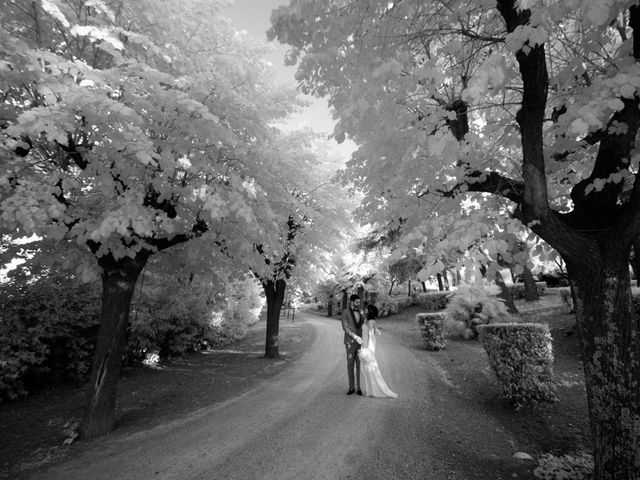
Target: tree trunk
{"type": "Point", "coordinates": [635, 262]}
{"type": "Point", "coordinates": [330, 307]}
{"type": "Point", "coordinates": [391, 289]}
{"type": "Point", "coordinates": [274, 291]}
{"type": "Point", "coordinates": [424, 286]}
{"type": "Point", "coordinates": [408, 288]}
{"type": "Point", "coordinates": [458, 277]}
{"type": "Point", "coordinates": [440, 284]}
{"type": "Point", "coordinates": [530, 289]}
{"type": "Point", "coordinates": [505, 294]}
{"type": "Point", "coordinates": [345, 300]}
{"type": "Point", "coordinates": [361, 295]}
{"type": "Point", "coordinates": [445, 280]}
{"type": "Point", "coordinates": [609, 333]}
{"type": "Point", "coordinates": [597, 255]}
{"type": "Point", "coordinates": [118, 284]}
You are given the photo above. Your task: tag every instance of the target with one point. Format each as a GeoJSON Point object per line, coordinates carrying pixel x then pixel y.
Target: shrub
{"type": "Point", "coordinates": [473, 305]}
{"type": "Point", "coordinates": [522, 357]}
{"type": "Point", "coordinates": [517, 289]}
{"type": "Point", "coordinates": [387, 309]}
{"type": "Point", "coordinates": [47, 326]}
{"type": "Point", "coordinates": [168, 323]}
{"type": "Point", "coordinates": [431, 326]}
{"type": "Point", "coordinates": [244, 300]}
{"type": "Point", "coordinates": [191, 316]}
{"type": "Point", "coordinates": [390, 305]}
{"type": "Point", "coordinates": [432, 301]}
{"type": "Point", "coordinates": [569, 467]}
{"type": "Point", "coordinates": [20, 352]}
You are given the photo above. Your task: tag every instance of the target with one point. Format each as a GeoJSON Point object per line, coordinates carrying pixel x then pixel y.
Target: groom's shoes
{"type": "Point", "coordinates": [351, 391]}
{"type": "Point", "coordinates": [359, 392]}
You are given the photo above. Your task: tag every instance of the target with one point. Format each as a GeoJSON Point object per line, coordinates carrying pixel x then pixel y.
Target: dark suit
{"type": "Point", "coordinates": [352, 323]}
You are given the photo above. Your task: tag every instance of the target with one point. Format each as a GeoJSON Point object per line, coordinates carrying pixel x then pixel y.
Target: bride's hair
{"type": "Point", "coordinates": [372, 312]}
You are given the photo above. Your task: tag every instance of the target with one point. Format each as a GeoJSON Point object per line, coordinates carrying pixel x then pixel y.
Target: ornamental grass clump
{"type": "Point", "coordinates": [431, 326]}
{"type": "Point", "coordinates": [473, 305]}
{"type": "Point", "coordinates": [522, 357]}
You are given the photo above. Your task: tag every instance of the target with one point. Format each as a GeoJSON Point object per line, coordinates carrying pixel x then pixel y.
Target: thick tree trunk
{"type": "Point", "coordinates": [530, 289]}
{"type": "Point", "coordinates": [505, 294]}
{"type": "Point", "coordinates": [274, 291]}
{"type": "Point", "coordinates": [609, 334]}
{"type": "Point", "coordinates": [440, 284]}
{"type": "Point", "coordinates": [445, 280]}
{"type": "Point", "coordinates": [597, 256]}
{"type": "Point", "coordinates": [118, 284]}
{"type": "Point", "coordinates": [330, 307]}
{"type": "Point", "coordinates": [635, 261]}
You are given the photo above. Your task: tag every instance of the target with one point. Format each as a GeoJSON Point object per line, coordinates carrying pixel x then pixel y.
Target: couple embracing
{"type": "Point", "coordinates": [360, 342]}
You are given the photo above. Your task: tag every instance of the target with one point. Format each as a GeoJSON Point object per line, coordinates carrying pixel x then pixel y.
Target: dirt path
{"type": "Point", "coordinates": [300, 424]}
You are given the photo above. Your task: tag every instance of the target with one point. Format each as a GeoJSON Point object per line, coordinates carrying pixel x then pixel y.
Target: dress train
{"type": "Point", "coordinates": [371, 381]}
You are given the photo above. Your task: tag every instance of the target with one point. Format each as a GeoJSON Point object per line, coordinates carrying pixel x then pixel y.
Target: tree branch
{"type": "Point", "coordinates": [488, 182]}
{"type": "Point", "coordinates": [199, 228]}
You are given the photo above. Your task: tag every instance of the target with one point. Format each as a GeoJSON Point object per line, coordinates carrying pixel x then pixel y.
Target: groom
{"type": "Point", "coordinates": [352, 320]}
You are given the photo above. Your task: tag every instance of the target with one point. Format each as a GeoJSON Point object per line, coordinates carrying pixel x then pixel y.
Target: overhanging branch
{"type": "Point", "coordinates": [488, 182]}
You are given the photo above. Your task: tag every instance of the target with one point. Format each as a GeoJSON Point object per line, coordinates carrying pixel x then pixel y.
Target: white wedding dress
{"type": "Point", "coordinates": [371, 381]}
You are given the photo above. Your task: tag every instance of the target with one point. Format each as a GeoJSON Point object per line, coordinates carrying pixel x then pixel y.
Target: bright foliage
{"type": "Point", "coordinates": [430, 93]}
{"type": "Point", "coordinates": [128, 139]}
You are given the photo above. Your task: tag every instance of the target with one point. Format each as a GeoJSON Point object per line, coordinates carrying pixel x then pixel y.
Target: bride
{"type": "Point", "coordinates": [371, 379]}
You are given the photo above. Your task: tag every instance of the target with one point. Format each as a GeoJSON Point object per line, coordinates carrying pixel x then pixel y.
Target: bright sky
{"type": "Point", "coordinates": [254, 17]}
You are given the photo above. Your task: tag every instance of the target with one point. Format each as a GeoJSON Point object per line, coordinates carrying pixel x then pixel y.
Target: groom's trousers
{"type": "Point", "coordinates": [353, 363]}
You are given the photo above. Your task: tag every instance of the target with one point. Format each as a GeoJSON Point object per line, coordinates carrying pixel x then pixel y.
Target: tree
{"type": "Point", "coordinates": [127, 137]}
{"type": "Point", "coordinates": [405, 270]}
{"type": "Point", "coordinates": [309, 220]}
{"type": "Point", "coordinates": [533, 103]}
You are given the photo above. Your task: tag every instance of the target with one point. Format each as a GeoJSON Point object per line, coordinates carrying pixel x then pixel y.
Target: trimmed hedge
{"type": "Point", "coordinates": [521, 355]}
{"type": "Point", "coordinates": [392, 305]}
{"type": "Point", "coordinates": [432, 301]}
{"type": "Point", "coordinates": [567, 299]}
{"type": "Point", "coordinates": [402, 302]}
{"type": "Point", "coordinates": [517, 289]}
{"type": "Point", "coordinates": [431, 326]}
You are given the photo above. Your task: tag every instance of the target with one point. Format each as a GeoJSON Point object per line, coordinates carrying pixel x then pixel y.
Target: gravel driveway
{"type": "Point", "coordinates": [300, 424]}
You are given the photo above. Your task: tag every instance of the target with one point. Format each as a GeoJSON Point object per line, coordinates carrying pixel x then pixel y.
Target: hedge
{"type": "Point", "coordinates": [521, 355]}
{"type": "Point", "coordinates": [431, 326]}
{"type": "Point", "coordinates": [517, 289]}
{"type": "Point", "coordinates": [567, 299]}
{"type": "Point", "coordinates": [432, 301]}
